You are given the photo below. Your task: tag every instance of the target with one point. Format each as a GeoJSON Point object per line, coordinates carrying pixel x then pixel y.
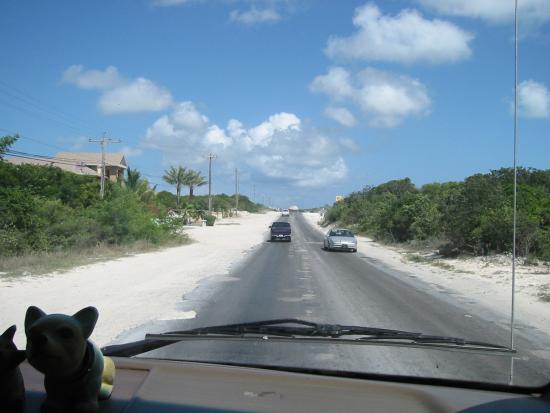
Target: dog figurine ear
{"type": "Point", "coordinates": [9, 333]}
{"type": "Point", "coordinates": [12, 387]}
{"type": "Point", "coordinates": [33, 314]}
{"type": "Point", "coordinates": [87, 317]}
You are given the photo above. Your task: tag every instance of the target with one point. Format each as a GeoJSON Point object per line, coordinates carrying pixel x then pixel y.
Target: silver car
{"type": "Point", "coordinates": [340, 239]}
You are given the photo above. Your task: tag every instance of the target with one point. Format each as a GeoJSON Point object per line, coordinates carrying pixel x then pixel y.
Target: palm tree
{"type": "Point", "coordinates": [176, 176]}
{"type": "Point", "coordinates": [135, 183]}
{"type": "Point", "coordinates": [194, 179]}
{"type": "Point", "coordinates": [132, 179]}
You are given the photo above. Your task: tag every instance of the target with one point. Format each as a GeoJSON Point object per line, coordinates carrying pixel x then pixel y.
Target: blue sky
{"type": "Point", "coordinates": [309, 99]}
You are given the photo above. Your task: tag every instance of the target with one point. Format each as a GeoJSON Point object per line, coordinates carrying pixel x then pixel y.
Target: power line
{"type": "Point", "coordinates": [27, 98]}
{"type": "Point", "coordinates": [40, 116]}
{"type": "Point", "coordinates": [45, 159]}
{"type": "Point", "coordinates": [55, 158]}
{"type": "Point", "coordinates": [32, 139]}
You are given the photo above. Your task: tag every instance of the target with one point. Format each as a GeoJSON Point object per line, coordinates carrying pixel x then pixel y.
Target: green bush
{"type": "Point", "coordinates": [47, 209]}
{"type": "Point", "coordinates": [210, 219]}
{"type": "Point", "coordinates": [474, 215]}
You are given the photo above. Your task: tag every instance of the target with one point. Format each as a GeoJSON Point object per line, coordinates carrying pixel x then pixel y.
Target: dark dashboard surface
{"type": "Point", "coordinates": [143, 385]}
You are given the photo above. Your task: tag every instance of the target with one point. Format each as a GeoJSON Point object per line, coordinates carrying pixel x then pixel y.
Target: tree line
{"type": "Point", "coordinates": [44, 208]}
{"type": "Point", "coordinates": [473, 216]}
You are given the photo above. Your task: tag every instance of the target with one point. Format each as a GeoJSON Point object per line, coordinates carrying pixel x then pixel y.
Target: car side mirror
{"type": "Point", "coordinates": [270, 226]}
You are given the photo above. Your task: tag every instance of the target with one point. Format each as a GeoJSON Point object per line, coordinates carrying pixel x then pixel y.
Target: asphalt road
{"type": "Point", "coordinates": [301, 280]}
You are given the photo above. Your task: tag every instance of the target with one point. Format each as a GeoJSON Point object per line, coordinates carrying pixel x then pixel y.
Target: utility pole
{"type": "Point", "coordinates": [104, 141]}
{"type": "Point", "coordinates": [210, 157]}
{"type": "Point", "coordinates": [254, 193]}
{"type": "Point", "coordinates": [236, 191]}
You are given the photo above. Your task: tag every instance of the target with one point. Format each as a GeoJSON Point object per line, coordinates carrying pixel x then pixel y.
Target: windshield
{"type": "Point", "coordinates": [181, 164]}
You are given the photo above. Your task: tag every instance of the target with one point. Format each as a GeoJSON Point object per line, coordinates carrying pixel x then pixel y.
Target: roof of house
{"type": "Point", "coordinates": [79, 169]}
{"type": "Point", "coordinates": [93, 158]}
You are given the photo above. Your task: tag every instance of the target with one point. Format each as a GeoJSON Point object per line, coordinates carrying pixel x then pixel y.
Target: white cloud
{"type": "Point", "coordinates": [533, 99]}
{"type": "Point", "coordinates": [141, 95]}
{"type": "Point", "coordinates": [278, 148]}
{"type": "Point", "coordinates": [385, 98]}
{"type": "Point", "coordinates": [262, 134]}
{"type": "Point", "coordinates": [215, 135]}
{"type": "Point", "coordinates": [494, 11]}
{"type": "Point", "coordinates": [92, 79]}
{"type": "Point", "coordinates": [407, 37]}
{"type": "Point", "coordinates": [120, 95]}
{"type": "Point", "coordinates": [349, 144]}
{"type": "Point", "coordinates": [168, 3]}
{"type": "Point", "coordinates": [341, 115]}
{"type": "Point", "coordinates": [336, 83]}
{"type": "Point", "coordinates": [255, 12]}
{"type": "Point", "coordinates": [130, 151]}
{"type": "Point", "coordinates": [255, 16]}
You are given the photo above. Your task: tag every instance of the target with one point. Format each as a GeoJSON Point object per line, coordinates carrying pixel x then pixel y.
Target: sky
{"type": "Point", "coordinates": [308, 99]}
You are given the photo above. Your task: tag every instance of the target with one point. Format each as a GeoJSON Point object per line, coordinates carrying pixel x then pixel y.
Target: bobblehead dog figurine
{"type": "Point", "coordinates": [76, 375]}
{"type": "Point", "coordinates": [12, 389]}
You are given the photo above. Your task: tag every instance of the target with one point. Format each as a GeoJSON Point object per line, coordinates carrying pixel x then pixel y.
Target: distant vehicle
{"type": "Point", "coordinates": [340, 239]}
{"type": "Point", "coordinates": [280, 230]}
{"type": "Point", "coordinates": [285, 213]}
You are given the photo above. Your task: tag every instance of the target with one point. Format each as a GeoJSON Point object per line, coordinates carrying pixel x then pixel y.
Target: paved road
{"type": "Point", "coordinates": [301, 280]}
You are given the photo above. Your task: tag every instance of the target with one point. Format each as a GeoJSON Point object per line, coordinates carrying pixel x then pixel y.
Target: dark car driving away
{"type": "Point", "coordinates": [280, 230]}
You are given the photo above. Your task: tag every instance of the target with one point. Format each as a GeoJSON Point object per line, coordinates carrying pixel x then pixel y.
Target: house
{"type": "Point", "coordinates": [81, 163]}
{"type": "Point", "coordinates": [115, 163]}
{"type": "Point", "coordinates": [75, 168]}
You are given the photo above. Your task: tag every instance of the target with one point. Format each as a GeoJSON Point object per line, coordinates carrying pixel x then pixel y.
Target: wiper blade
{"type": "Point", "coordinates": [295, 330]}
{"type": "Point", "coordinates": [280, 327]}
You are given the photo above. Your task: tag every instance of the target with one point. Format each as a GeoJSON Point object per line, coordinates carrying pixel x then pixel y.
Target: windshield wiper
{"type": "Point", "coordinates": [295, 330]}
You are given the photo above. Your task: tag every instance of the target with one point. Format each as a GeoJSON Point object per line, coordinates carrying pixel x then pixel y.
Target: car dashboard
{"type": "Point", "coordinates": [151, 385]}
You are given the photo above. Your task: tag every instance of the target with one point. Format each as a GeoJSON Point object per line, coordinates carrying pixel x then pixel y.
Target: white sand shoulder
{"type": "Point", "coordinates": [133, 290]}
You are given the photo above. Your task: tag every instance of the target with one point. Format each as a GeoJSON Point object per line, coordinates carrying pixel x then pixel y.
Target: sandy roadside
{"type": "Point", "coordinates": [133, 290]}
{"type": "Point", "coordinates": [486, 282]}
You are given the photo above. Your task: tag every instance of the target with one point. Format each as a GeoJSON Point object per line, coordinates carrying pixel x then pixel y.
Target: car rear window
{"type": "Point", "coordinates": [342, 233]}
{"type": "Point", "coordinates": [281, 224]}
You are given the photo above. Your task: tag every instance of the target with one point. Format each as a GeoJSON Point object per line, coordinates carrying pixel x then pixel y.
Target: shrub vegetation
{"type": "Point", "coordinates": [474, 215]}
{"type": "Point", "coordinates": [47, 209]}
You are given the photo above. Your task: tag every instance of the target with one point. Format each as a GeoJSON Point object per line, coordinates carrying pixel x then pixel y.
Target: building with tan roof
{"type": "Point", "coordinates": [80, 163]}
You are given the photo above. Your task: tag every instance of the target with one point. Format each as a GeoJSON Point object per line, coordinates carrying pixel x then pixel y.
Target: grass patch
{"type": "Point", "coordinates": [443, 265]}
{"type": "Point", "coordinates": [544, 293]}
{"type": "Point", "coordinates": [416, 258]}
{"type": "Point", "coordinates": [46, 262]}
{"type": "Point", "coordinates": [411, 257]}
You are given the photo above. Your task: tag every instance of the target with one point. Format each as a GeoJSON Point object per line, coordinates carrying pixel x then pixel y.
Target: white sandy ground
{"type": "Point", "coordinates": [132, 290]}
{"type": "Point", "coordinates": [484, 279]}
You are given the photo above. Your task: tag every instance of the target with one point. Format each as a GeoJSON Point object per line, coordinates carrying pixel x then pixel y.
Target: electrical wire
{"type": "Point", "coordinates": [26, 137]}
{"type": "Point", "coordinates": [54, 159]}
{"type": "Point", "coordinates": [40, 116]}
{"type": "Point", "coordinates": [28, 99]}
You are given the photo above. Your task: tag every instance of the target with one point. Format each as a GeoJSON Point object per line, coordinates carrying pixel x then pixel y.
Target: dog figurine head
{"type": "Point", "coordinates": [56, 343]}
